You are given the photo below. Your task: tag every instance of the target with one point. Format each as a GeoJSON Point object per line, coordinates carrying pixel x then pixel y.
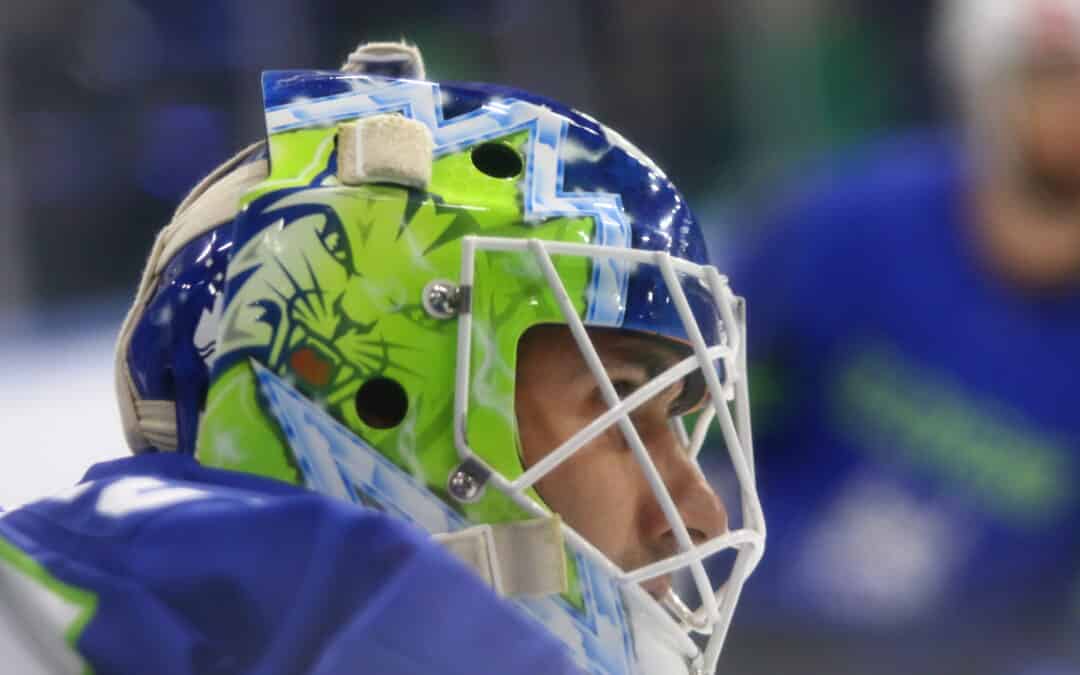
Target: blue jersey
{"type": "Point", "coordinates": [917, 420]}
{"type": "Point", "coordinates": [155, 564]}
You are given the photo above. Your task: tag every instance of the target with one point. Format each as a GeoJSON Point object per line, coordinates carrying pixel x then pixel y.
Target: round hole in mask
{"type": "Point", "coordinates": [497, 160]}
{"type": "Point", "coordinates": [381, 403]}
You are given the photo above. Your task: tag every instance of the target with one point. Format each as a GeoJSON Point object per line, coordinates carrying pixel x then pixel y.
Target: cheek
{"type": "Point", "coordinates": [599, 493]}
{"type": "Point", "coordinates": [600, 490]}
{"type": "Point", "coordinates": [541, 430]}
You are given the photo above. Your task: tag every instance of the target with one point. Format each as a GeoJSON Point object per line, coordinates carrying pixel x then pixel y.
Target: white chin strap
{"type": "Point", "coordinates": [527, 559]}
{"type": "Point", "coordinates": [519, 559]}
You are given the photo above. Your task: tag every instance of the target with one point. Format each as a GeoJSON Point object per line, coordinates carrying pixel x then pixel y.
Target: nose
{"type": "Point", "coordinates": [700, 507]}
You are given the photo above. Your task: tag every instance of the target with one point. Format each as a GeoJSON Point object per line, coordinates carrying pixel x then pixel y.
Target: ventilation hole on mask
{"type": "Point", "coordinates": [497, 160]}
{"type": "Point", "coordinates": [381, 403]}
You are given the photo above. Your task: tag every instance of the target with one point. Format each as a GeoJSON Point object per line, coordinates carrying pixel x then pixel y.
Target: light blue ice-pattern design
{"type": "Point", "coordinates": [542, 187]}
{"type": "Point", "coordinates": [336, 462]}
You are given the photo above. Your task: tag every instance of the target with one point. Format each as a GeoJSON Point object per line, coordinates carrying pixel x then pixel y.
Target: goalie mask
{"type": "Point", "coordinates": [343, 308]}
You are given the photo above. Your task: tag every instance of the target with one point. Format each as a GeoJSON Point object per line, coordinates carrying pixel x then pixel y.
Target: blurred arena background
{"type": "Point", "coordinates": [110, 111]}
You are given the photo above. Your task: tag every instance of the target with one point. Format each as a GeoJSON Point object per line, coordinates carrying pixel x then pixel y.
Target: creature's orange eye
{"type": "Point", "coordinates": [310, 367]}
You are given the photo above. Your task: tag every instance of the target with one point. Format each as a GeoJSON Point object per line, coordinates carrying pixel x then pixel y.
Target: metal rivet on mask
{"type": "Point", "coordinates": [466, 483]}
{"type": "Point", "coordinates": [442, 299]}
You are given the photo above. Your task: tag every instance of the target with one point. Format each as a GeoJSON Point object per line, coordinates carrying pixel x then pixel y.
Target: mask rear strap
{"type": "Point", "coordinates": [523, 558]}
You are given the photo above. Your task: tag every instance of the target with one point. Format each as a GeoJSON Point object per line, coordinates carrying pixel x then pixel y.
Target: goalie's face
{"type": "Point", "coordinates": [1046, 120]}
{"type": "Point", "coordinates": [602, 491]}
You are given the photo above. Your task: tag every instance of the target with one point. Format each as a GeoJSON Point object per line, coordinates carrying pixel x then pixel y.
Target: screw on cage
{"type": "Point", "coordinates": [443, 299]}
{"type": "Point", "coordinates": [466, 483]}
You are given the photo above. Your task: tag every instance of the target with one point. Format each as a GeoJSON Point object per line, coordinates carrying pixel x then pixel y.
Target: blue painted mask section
{"type": "Point", "coordinates": [167, 356]}
{"type": "Point", "coordinates": [462, 100]}
{"type": "Point", "coordinates": [313, 83]}
{"type": "Point", "coordinates": [650, 308]}
{"type": "Point", "coordinates": [174, 341]}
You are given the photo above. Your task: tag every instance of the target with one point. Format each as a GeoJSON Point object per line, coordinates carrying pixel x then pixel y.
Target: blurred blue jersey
{"type": "Point", "coordinates": [155, 564]}
{"type": "Point", "coordinates": [917, 420]}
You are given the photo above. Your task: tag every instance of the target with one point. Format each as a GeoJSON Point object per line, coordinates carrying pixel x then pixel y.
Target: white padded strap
{"type": "Point", "coordinates": [215, 206]}
{"type": "Point", "coordinates": [385, 149]}
{"type": "Point", "coordinates": [519, 559]}
{"type": "Point", "coordinates": [157, 422]}
{"type": "Point", "coordinates": [389, 59]}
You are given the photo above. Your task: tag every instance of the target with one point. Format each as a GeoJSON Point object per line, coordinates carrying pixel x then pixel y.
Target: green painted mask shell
{"type": "Point", "coordinates": [344, 282]}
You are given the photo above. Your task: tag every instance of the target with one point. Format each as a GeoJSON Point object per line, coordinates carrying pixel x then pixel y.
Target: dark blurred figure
{"type": "Point", "coordinates": [917, 309]}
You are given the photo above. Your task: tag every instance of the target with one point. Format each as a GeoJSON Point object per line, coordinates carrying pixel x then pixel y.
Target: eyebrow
{"type": "Point", "coordinates": [653, 355]}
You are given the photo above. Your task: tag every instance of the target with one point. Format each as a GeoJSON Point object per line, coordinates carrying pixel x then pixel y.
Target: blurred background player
{"type": "Point", "coordinates": [917, 309]}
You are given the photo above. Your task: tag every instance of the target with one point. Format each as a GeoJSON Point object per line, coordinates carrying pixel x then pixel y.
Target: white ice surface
{"type": "Point", "coordinates": [58, 414]}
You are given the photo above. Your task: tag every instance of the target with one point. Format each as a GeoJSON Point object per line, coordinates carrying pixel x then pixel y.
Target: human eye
{"type": "Point", "coordinates": [625, 386]}
{"type": "Point", "coordinates": [688, 395]}
{"type": "Point", "coordinates": [675, 400]}
{"type": "Point", "coordinates": [626, 378]}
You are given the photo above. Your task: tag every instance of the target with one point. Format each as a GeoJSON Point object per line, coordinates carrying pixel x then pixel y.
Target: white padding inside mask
{"type": "Point", "coordinates": [213, 202]}
{"type": "Point", "coordinates": [656, 648]}
{"type": "Point", "coordinates": [385, 149]}
{"type": "Point", "coordinates": [524, 558]}
{"type": "Point", "coordinates": [382, 58]}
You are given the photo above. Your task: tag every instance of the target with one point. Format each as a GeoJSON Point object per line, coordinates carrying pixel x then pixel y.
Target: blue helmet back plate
{"type": "Point", "coordinates": [595, 172]}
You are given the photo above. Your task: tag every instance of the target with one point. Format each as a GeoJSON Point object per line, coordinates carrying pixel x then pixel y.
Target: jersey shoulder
{"type": "Point", "coordinates": [211, 571]}
{"type": "Point", "coordinates": [126, 509]}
